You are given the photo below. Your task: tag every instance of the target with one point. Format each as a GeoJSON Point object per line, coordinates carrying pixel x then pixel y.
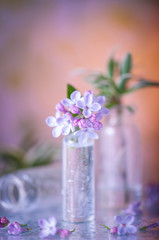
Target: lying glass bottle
{"type": "Point", "coordinates": [31, 188]}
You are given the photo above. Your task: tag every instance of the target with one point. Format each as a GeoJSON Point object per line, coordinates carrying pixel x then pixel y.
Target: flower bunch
{"type": "Point", "coordinates": [79, 114]}
{"type": "Point", "coordinates": [13, 228]}
{"type": "Point", "coordinates": [49, 228]}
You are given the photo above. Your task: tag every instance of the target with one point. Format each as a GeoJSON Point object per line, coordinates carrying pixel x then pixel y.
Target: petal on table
{"type": "Point", "coordinates": [75, 96]}
{"type": "Point", "coordinates": [122, 230]}
{"type": "Point", "coordinates": [44, 233]}
{"type": "Point", "coordinates": [43, 223]}
{"type": "Point", "coordinates": [129, 219]}
{"type": "Point", "coordinates": [131, 229]}
{"type": "Point", "coordinates": [118, 219]}
{"type": "Point", "coordinates": [52, 221]}
{"type": "Point", "coordinates": [56, 131]}
{"type": "Point", "coordinates": [51, 121]}
{"type": "Point", "coordinates": [95, 107]}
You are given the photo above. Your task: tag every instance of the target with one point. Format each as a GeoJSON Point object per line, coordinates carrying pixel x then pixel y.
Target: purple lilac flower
{"type": "Point", "coordinates": [48, 227]}
{"type": "Point", "coordinates": [67, 123]}
{"type": "Point", "coordinates": [15, 228]}
{"type": "Point", "coordinates": [60, 107]}
{"type": "Point", "coordinates": [88, 120]}
{"type": "Point", "coordinates": [125, 225]}
{"type": "Point", "coordinates": [97, 125]}
{"type": "Point", "coordinates": [103, 111]}
{"type": "Point", "coordinates": [86, 103]}
{"type": "Point", "coordinates": [53, 122]}
{"type": "Point", "coordinates": [84, 134]}
{"type": "Point", "coordinates": [64, 233]}
{"type": "Point", "coordinates": [113, 230]}
{"type": "Point", "coordinates": [3, 222]}
{"type": "Point", "coordinates": [71, 103]}
{"type": "Point", "coordinates": [82, 123]}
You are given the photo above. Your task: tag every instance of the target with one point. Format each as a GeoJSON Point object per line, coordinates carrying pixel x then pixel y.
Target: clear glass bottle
{"type": "Point", "coordinates": [119, 176]}
{"type": "Point", "coordinates": [29, 189]}
{"type": "Point", "coordinates": [78, 180]}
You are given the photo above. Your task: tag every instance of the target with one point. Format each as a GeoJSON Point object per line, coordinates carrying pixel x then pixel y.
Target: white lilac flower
{"type": "Point", "coordinates": [87, 104]}
{"type": "Point", "coordinates": [84, 134]}
{"type": "Point", "coordinates": [67, 123]}
{"type": "Point", "coordinates": [125, 225]}
{"type": "Point", "coordinates": [103, 111]}
{"type": "Point", "coordinates": [48, 227]}
{"type": "Point", "coordinates": [53, 122]}
{"type": "Point", "coordinates": [71, 103]}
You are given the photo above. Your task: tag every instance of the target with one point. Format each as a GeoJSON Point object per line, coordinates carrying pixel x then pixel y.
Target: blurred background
{"type": "Point", "coordinates": [41, 42]}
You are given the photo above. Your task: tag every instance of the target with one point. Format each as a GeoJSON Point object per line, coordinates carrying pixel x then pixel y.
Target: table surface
{"type": "Point", "coordinates": [89, 230]}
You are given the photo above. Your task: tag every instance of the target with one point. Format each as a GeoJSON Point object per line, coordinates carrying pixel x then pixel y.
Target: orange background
{"type": "Point", "coordinates": [41, 42]}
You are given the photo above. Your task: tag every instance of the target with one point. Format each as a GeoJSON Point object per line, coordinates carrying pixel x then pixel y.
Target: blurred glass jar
{"type": "Point", "coordinates": [119, 171]}
{"type": "Point", "coordinates": [78, 180]}
{"type": "Point", "coordinates": [32, 188]}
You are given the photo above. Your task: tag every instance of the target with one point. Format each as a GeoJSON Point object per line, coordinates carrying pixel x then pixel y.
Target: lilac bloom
{"type": "Point", "coordinates": [66, 122]}
{"type": "Point", "coordinates": [3, 222]}
{"type": "Point", "coordinates": [60, 107]}
{"type": "Point", "coordinates": [82, 123]}
{"type": "Point", "coordinates": [48, 227]}
{"type": "Point", "coordinates": [92, 118]}
{"type": "Point", "coordinates": [15, 228]}
{"type": "Point", "coordinates": [113, 230]}
{"type": "Point", "coordinates": [64, 233]}
{"type": "Point", "coordinates": [101, 100]}
{"type": "Point", "coordinates": [87, 104]}
{"type": "Point", "coordinates": [97, 125]}
{"type": "Point", "coordinates": [71, 103]}
{"type": "Point", "coordinates": [84, 134]}
{"type": "Point", "coordinates": [125, 225]}
{"type": "Point", "coordinates": [101, 112]}
{"type": "Point", "coordinates": [53, 122]}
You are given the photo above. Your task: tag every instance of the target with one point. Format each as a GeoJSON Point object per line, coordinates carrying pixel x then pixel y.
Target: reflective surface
{"type": "Point", "coordinates": [89, 230]}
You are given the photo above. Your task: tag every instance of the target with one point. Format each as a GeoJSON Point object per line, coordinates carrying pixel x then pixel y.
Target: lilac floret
{"type": "Point", "coordinates": [125, 225]}
{"type": "Point", "coordinates": [15, 228]}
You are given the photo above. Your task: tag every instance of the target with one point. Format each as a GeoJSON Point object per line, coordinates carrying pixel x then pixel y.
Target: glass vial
{"type": "Point", "coordinates": [78, 180]}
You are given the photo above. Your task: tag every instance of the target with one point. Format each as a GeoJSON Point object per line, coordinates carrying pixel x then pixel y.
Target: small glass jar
{"type": "Point", "coordinates": [78, 180]}
{"type": "Point", "coordinates": [28, 189]}
{"type": "Point", "coordinates": [119, 176]}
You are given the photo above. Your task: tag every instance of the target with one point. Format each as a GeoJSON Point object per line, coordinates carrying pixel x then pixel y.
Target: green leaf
{"type": "Point", "coordinates": [110, 68]}
{"type": "Point", "coordinates": [70, 89]}
{"type": "Point", "coordinates": [126, 64]}
{"type": "Point", "coordinates": [105, 226]}
{"type": "Point", "coordinates": [123, 79]}
{"type": "Point", "coordinates": [142, 83]}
